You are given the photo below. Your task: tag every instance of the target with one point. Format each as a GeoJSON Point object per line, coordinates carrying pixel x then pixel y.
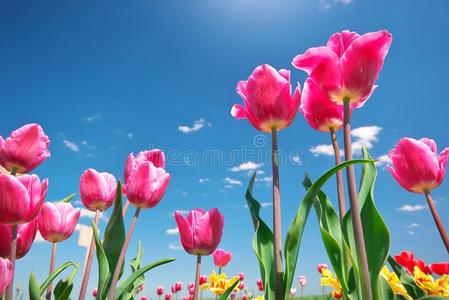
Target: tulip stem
{"type": "Point", "coordinates": [219, 272]}
{"type": "Point", "coordinates": [340, 188]}
{"type": "Point", "coordinates": [277, 245]}
{"type": "Point", "coordinates": [52, 267]}
{"type": "Point", "coordinates": [122, 256]}
{"type": "Point", "coordinates": [197, 277]}
{"type": "Point", "coordinates": [355, 210]}
{"type": "Point", "coordinates": [12, 259]}
{"type": "Point", "coordinates": [437, 220]}
{"type": "Point", "coordinates": [125, 208]}
{"type": "Point", "coordinates": [89, 261]}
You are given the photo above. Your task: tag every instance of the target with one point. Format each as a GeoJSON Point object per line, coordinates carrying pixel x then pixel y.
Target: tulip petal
{"type": "Point", "coordinates": [442, 160]}
{"type": "Point", "coordinates": [238, 111]}
{"type": "Point", "coordinates": [14, 200]}
{"type": "Point", "coordinates": [129, 166]}
{"type": "Point", "coordinates": [185, 232]}
{"type": "Point", "coordinates": [339, 42]}
{"type": "Point", "coordinates": [156, 156]}
{"type": "Point", "coordinates": [37, 193]}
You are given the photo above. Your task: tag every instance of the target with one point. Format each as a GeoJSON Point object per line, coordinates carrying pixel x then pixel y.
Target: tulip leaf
{"type": "Point", "coordinates": [64, 287]}
{"type": "Point", "coordinates": [33, 288]}
{"type": "Point", "coordinates": [407, 281]}
{"type": "Point", "coordinates": [135, 265]}
{"type": "Point", "coordinates": [67, 199]}
{"type": "Point", "coordinates": [114, 236]}
{"type": "Point", "coordinates": [228, 291]}
{"type": "Point", "coordinates": [385, 290]}
{"type": "Point", "coordinates": [127, 283]}
{"type": "Point", "coordinates": [294, 234]}
{"type": "Point", "coordinates": [53, 275]}
{"type": "Point", "coordinates": [103, 265]}
{"type": "Point", "coordinates": [262, 242]}
{"type": "Point", "coordinates": [432, 298]}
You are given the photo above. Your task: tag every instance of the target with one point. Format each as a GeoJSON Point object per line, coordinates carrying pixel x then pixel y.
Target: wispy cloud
{"type": "Point", "coordinates": [247, 166]}
{"type": "Point", "coordinates": [130, 135]}
{"type": "Point", "coordinates": [93, 118]}
{"type": "Point", "coordinates": [71, 145]}
{"type": "Point", "coordinates": [363, 137]}
{"type": "Point", "coordinates": [174, 246]}
{"type": "Point", "coordinates": [39, 238]}
{"type": "Point", "coordinates": [172, 231]}
{"type": "Point", "coordinates": [414, 225]}
{"type": "Point", "coordinates": [416, 207]}
{"type": "Point", "coordinates": [382, 160]}
{"type": "Point", "coordinates": [325, 5]}
{"type": "Point", "coordinates": [182, 211]}
{"type": "Point", "coordinates": [231, 181]}
{"type": "Point", "coordinates": [203, 180]}
{"type": "Point", "coordinates": [264, 179]}
{"type": "Point", "coordinates": [85, 213]}
{"type": "Point", "coordinates": [197, 125]}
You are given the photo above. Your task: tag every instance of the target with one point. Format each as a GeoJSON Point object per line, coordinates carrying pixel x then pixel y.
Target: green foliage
{"type": "Point", "coordinates": [36, 291]}
{"type": "Point", "coordinates": [228, 291]}
{"type": "Point", "coordinates": [135, 265]}
{"type": "Point", "coordinates": [64, 287]}
{"type": "Point", "coordinates": [66, 199]}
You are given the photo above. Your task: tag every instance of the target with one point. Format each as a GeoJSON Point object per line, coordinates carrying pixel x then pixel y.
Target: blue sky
{"type": "Point", "coordinates": [106, 78]}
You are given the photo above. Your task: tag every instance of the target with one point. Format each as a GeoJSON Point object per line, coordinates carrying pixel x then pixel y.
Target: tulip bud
{"type": "Point", "coordinates": [97, 190]}
{"type": "Point", "coordinates": [57, 222]}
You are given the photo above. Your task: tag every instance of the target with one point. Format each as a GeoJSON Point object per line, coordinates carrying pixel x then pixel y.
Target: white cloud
{"type": "Point", "coordinates": [172, 230]}
{"type": "Point", "coordinates": [232, 181]}
{"type": "Point", "coordinates": [265, 204]}
{"type": "Point", "coordinates": [382, 160]}
{"type": "Point", "coordinates": [410, 232]}
{"type": "Point", "coordinates": [322, 150]}
{"type": "Point", "coordinates": [297, 160]}
{"type": "Point", "coordinates": [363, 137]}
{"type": "Point", "coordinates": [182, 211]}
{"type": "Point", "coordinates": [197, 125]}
{"type": "Point", "coordinates": [325, 5]}
{"type": "Point", "coordinates": [174, 246]}
{"type": "Point", "coordinates": [416, 207]}
{"type": "Point", "coordinates": [228, 186]}
{"type": "Point", "coordinates": [93, 118]}
{"type": "Point", "coordinates": [203, 180]}
{"type": "Point", "coordinates": [39, 238]}
{"type": "Point", "coordinates": [85, 213]}
{"type": "Point", "coordinates": [71, 145]}
{"type": "Point", "coordinates": [130, 135]}
{"type": "Point", "coordinates": [414, 225]}
{"type": "Point", "coordinates": [264, 179]}
{"type": "Point", "coordinates": [248, 166]}
{"type": "Point", "coordinates": [184, 194]}
{"type": "Point", "coordinates": [84, 143]}
{"type": "Point", "coordinates": [260, 172]}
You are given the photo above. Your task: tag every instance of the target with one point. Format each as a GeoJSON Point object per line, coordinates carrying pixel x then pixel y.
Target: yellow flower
{"type": "Point", "coordinates": [258, 298]}
{"type": "Point", "coordinates": [219, 284]}
{"type": "Point", "coordinates": [328, 279]}
{"type": "Point", "coordinates": [438, 287]}
{"type": "Point", "coordinates": [394, 282]}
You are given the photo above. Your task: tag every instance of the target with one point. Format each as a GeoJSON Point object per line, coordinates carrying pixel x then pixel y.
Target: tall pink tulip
{"type": "Point", "coordinates": [270, 107]}
{"type": "Point", "coordinates": [178, 286]}
{"type": "Point", "coordinates": [348, 66]}
{"type": "Point", "coordinates": [160, 290]}
{"type": "Point", "coordinates": [419, 169]}
{"type": "Point", "coordinates": [7, 273]}
{"type": "Point", "coordinates": [302, 280]}
{"type": "Point", "coordinates": [97, 191]}
{"type": "Point", "coordinates": [268, 100]}
{"type": "Point", "coordinates": [56, 223]}
{"type": "Point", "coordinates": [200, 235]}
{"type": "Point", "coordinates": [25, 238]}
{"type": "Point", "coordinates": [221, 258]}
{"type": "Point", "coordinates": [24, 149]}
{"type": "Point", "coordinates": [21, 198]}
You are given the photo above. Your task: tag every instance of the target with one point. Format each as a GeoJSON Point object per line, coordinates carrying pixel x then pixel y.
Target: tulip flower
{"type": "Point", "coordinates": [203, 279]}
{"type": "Point", "coordinates": [221, 258]}
{"type": "Point", "coordinates": [325, 115]}
{"type": "Point", "coordinates": [178, 286]}
{"type": "Point", "coordinates": [160, 290]}
{"type": "Point", "coordinates": [173, 289]}
{"type": "Point", "coordinates": [244, 297]}
{"type": "Point", "coordinates": [97, 191]}
{"type": "Point", "coordinates": [140, 289]}
{"type": "Point", "coordinates": [419, 168]}
{"type": "Point", "coordinates": [144, 297]}
{"type": "Point", "coordinates": [269, 107]}
{"type": "Point", "coordinates": [321, 267]}
{"type": "Point", "coordinates": [200, 235]}
{"type": "Point", "coordinates": [24, 149]}
{"type": "Point", "coordinates": [7, 274]}
{"type": "Point", "coordinates": [219, 283]}
{"type": "Point", "coordinates": [167, 296]}
{"type": "Point", "coordinates": [145, 187]}
{"type": "Point", "coordinates": [56, 223]}
{"type": "Point", "coordinates": [241, 285]}
{"type": "Point", "coordinates": [345, 71]}
{"type": "Point", "coordinates": [441, 268]}
{"type": "Point", "coordinates": [95, 292]}
{"type": "Point", "coordinates": [242, 276]}
{"type": "Point", "coordinates": [292, 292]}
{"type": "Point", "coordinates": [155, 156]}
{"type": "Point", "coordinates": [302, 280]}
{"type": "Point", "coordinates": [259, 282]}
{"type": "Point", "coordinates": [233, 295]}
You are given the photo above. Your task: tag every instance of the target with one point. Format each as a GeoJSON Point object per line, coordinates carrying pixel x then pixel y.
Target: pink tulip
{"type": "Point", "coordinates": [156, 156]}
{"type": "Point", "coordinates": [146, 185]}
{"type": "Point", "coordinates": [95, 292]}
{"type": "Point", "coordinates": [97, 190]}
{"type": "Point", "coordinates": [24, 149]}
{"type": "Point", "coordinates": [321, 113]}
{"type": "Point", "coordinates": [221, 257]}
{"type": "Point", "coordinates": [201, 231]}
{"type": "Point", "coordinates": [173, 289]}
{"type": "Point", "coordinates": [242, 276]}
{"type": "Point", "coordinates": [292, 292]}
{"type": "Point", "coordinates": [167, 296]}
{"type": "Point", "coordinates": [268, 100]}
{"type": "Point", "coordinates": [6, 270]}
{"type": "Point", "coordinates": [241, 285]}
{"type": "Point", "coordinates": [320, 267]}
{"type": "Point", "coordinates": [21, 198]}
{"type": "Point", "coordinates": [417, 165]}
{"type": "Point", "coordinates": [57, 222]}
{"type": "Point", "coordinates": [191, 290]}
{"type": "Point", "coordinates": [244, 297]}
{"type": "Point", "coordinates": [178, 286]}
{"type": "Point", "coordinates": [191, 285]}
{"type": "Point", "coordinates": [233, 295]}
{"type": "Point", "coordinates": [160, 290]}
{"type": "Point", "coordinates": [140, 289]}
{"type": "Point", "coordinates": [348, 66]}
{"type": "Point", "coordinates": [144, 297]}
{"type": "Point", "coordinates": [302, 280]}
{"type": "Point", "coordinates": [25, 238]}
{"type": "Point", "coordinates": [203, 279]}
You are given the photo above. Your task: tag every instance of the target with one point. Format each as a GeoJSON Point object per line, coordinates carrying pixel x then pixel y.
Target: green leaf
{"type": "Point", "coordinates": [408, 282]}
{"type": "Point", "coordinates": [135, 265]}
{"type": "Point", "coordinates": [64, 287]}
{"type": "Point", "coordinates": [131, 278]}
{"type": "Point", "coordinates": [33, 288]}
{"type": "Point", "coordinates": [385, 290]}
{"type": "Point", "coordinates": [103, 265]}
{"type": "Point", "coordinates": [262, 242]}
{"type": "Point", "coordinates": [228, 291]}
{"type": "Point", "coordinates": [432, 298]}
{"type": "Point", "coordinates": [67, 199]}
{"type": "Point", "coordinates": [114, 236]}
{"type": "Point", "coordinates": [294, 234]}
{"type": "Point", "coordinates": [53, 275]}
